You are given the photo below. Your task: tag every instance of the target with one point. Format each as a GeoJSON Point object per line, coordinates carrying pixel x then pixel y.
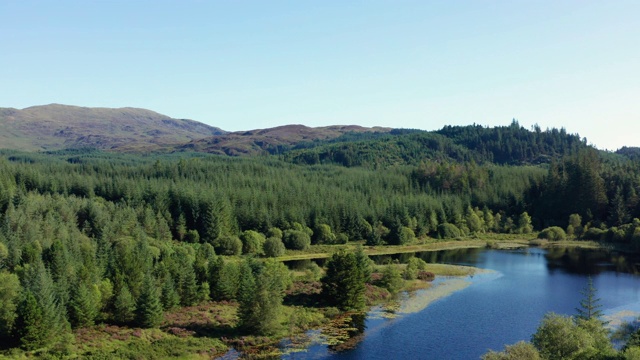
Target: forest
{"type": "Point", "coordinates": [90, 237]}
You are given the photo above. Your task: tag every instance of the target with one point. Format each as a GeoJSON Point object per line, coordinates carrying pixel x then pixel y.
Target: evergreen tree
{"type": "Point", "coordinates": [589, 305]}
{"type": "Point", "coordinates": [28, 329]}
{"type": "Point", "coordinates": [9, 297]}
{"type": "Point", "coordinates": [249, 307]}
{"type": "Point", "coordinates": [124, 305]}
{"type": "Point", "coordinates": [53, 319]}
{"type": "Point", "coordinates": [260, 295]}
{"type": "Point", "coordinates": [84, 307]}
{"type": "Point", "coordinates": [169, 297]}
{"type": "Point", "coordinates": [149, 307]}
{"type": "Point", "coordinates": [343, 284]}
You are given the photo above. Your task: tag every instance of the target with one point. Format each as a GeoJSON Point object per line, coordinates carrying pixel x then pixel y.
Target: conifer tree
{"type": "Point", "coordinates": [124, 305]}
{"type": "Point", "coordinates": [84, 308]}
{"type": "Point", "coordinates": [589, 305]}
{"type": "Point", "coordinates": [149, 307]}
{"type": "Point", "coordinates": [343, 284]}
{"type": "Point", "coordinates": [169, 297]}
{"type": "Point", "coordinates": [53, 320]}
{"type": "Point", "coordinates": [28, 329]}
{"type": "Point", "coordinates": [9, 298]}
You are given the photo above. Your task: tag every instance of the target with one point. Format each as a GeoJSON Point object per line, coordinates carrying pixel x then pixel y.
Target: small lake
{"type": "Point", "coordinates": [499, 308]}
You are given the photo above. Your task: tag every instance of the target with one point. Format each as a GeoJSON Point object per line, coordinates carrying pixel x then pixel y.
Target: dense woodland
{"type": "Point", "coordinates": [88, 236]}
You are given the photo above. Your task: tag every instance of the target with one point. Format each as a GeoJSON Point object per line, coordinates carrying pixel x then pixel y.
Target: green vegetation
{"type": "Point", "coordinates": [583, 336]}
{"type": "Point", "coordinates": [90, 239]}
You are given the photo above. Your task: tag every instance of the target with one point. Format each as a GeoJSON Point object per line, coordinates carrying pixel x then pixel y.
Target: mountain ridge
{"type": "Point", "coordinates": [57, 126]}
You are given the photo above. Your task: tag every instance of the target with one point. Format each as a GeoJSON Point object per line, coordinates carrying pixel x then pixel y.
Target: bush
{"type": "Point", "coordinates": [413, 267]}
{"type": "Point", "coordinates": [274, 232]}
{"type": "Point", "coordinates": [594, 234]}
{"type": "Point", "coordinates": [553, 233]}
{"type": "Point", "coordinates": [274, 247]}
{"type": "Point", "coordinates": [448, 231]}
{"type": "Point", "coordinates": [391, 279]}
{"type": "Point", "coordinates": [297, 240]}
{"type": "Point", "coordinates": [228, 245]}
{"type": "Point", "coordinates": [252, 242]}
{"type": "Point", "coordinates": [342, 238]}
{"type": "Point", "coordinates": [192, 236]}
{"type": "Point", "coordinates": [616, 235]}
{"type": "Point", "coordinates": [426, 275]}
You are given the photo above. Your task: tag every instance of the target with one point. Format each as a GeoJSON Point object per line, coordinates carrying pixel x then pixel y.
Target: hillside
{"type": "Point", "coordinates": [274, 140]}
{"type": "Point", "coordinates": [513, 145]}
{"type": "Point", "coordinates": [53, 127]}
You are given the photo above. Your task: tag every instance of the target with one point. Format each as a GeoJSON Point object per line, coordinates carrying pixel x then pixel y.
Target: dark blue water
{"type": "Point", "coordinates": [498, 309]}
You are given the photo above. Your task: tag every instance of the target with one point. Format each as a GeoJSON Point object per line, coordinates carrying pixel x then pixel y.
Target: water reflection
{"type": "Point", "coordinates": [458, 256]}
{"type": "Point", "coordinates": [589, 261]}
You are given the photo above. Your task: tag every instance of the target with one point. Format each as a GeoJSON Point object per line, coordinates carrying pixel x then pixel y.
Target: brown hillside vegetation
{"type": "Point", "coordinates": [264, 140]}
{"type": "Point", "coordinates": [55, 126]}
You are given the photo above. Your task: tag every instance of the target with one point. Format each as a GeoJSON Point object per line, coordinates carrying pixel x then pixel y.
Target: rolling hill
{"type": "Point", "coordinates": [55, 126]}
{"type": "Point", "coordinates": [274, 140]}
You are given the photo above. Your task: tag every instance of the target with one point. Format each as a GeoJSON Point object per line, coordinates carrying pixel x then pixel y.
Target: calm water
{"type": "Point", "coordinates": [497, 309]}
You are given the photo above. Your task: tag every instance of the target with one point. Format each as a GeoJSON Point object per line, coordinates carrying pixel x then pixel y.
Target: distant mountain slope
{"type": "Point", "coordinates": [511, 144]}
{"type": "Point", "coordinates": [52, 127]}
{"type": "Point", "coordinates": [274, 140]}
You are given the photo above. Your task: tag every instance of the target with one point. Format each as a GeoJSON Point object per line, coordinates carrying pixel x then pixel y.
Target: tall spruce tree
{"type": "Point", "coordinates": [589, 305]}
{"type": "Point", "coordinates": [149, 307]}
{"type": "Point", "coordinates": [344, 285]}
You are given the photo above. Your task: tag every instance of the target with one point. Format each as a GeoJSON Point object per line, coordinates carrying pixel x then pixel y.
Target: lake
{"type": "Point", "coordinates": [498, 308]}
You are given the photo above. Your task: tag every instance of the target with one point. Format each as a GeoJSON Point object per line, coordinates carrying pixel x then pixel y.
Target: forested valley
{"type": "Point", "coordinates": [90, 238]}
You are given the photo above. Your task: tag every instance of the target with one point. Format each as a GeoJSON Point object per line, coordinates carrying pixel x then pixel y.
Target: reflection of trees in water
{"type": "Point", "coordinates": [468, 255]}
{"type": "Point", "coordinates": [589, 261]}
{"type": "Point", "coordinates": [303, 264]}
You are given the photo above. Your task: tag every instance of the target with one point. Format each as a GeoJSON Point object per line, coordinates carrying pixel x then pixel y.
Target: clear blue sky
{"type": "Point", "coordinates": [243, 65]}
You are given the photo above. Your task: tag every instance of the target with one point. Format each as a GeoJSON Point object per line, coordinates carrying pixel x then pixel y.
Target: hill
{"type": "Point", "coordinates": [512, 145]}
{"type": "Point", "coordinates": [275, 140]}
{"type": "Point", "coordinates": [55, 126]}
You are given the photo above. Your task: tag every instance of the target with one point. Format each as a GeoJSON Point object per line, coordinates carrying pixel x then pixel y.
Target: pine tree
{"type": "Point", "coordinates": [149, 307]}
{"type": "Point", "coordinates": [249, 308]}
{"type": "Point", "coordinates": [9, 299]}
{"type": "Point", "coordinates": [124, 305]}
{"type": "Point", "coordinates": [169, 297]}
{"type": "Point", "coordinates": [53, 322]}
{"type": "Point", "coordinates": [589, 305]}
{"type": "Point", "coordinates": [188, 285]}
{"type": "Point", "coordinates": [84, 308]}
{"type": "Point", "coordinates": [28, 328]}
{"type": "Point", "coordinates": [343, 284]}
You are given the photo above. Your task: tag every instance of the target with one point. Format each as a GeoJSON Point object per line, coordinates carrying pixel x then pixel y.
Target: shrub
{"type": "Point", "coordinates": [616, 235]}
{"type": "Point", "coordinates": [296, 240]}
{"type": "Point", "coordinates": [413, 267]}
{"type": "Point", "coordinates": [426, 275]}
{"type": "Point", "coordinates": [228, 245]}
{"type": "Point", "coordinates": [448, 231]}
{"type": "Point", "coordinates": [274, 247]}
{"type": "Point", "coordinates": [342, 238]}
{"type": "Point", "coordinates": [252, 242]}
{"type": "Point", "coordinates": [192, 236]}
{"type": "Point", "coordinates": [391, 279]}
{"type": "Point", "coordinates": [594, 234]}
{"type": "Point", "coordinates": [274, 232]}
{"type": "Point", "coordinates": [553, 233]}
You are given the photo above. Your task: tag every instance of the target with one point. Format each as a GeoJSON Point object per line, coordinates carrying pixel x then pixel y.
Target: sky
{"type": "Point", "coordinates": [242, 65]}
